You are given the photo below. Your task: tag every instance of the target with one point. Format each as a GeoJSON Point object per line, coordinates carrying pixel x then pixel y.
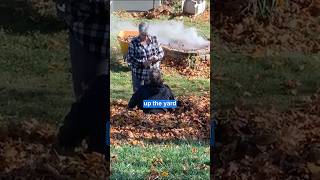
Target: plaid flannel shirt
{"type": "Point", "coordinates": [137, 54]}
{"type": "Point", "coordinates": [88, 21]}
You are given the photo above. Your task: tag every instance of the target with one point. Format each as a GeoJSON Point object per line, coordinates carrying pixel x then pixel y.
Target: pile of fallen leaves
{"type": "Point", "coordinates": [190, 121]}
{"type": "Point", "coordinates": [157, 12]}
{"type": "Point", "coordinates": [154, 13]}
{"type": "Point", "coordinates": [201, 69]}
{"type": "Point", "coordinates": [163, 10]}
{"type": "Point", "coordinates": [268, 144]}
{"type": "Point", "coordinates": [25, 153]}
{"type": "Point", "coordinates": [290, 28]}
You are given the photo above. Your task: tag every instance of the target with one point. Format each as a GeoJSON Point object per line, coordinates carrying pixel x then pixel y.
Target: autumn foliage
{"type": "Point", "coordinates": [189, 122]}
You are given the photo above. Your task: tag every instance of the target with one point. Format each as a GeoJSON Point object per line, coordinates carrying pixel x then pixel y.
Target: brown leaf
{"type": "Point", "coordinates": [130, 134]}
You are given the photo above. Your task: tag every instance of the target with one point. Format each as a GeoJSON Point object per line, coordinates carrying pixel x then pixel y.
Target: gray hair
{"type": "Point", "coordinates": [155, 77]}
{"type": "Point", "coordinates": [144, 28]}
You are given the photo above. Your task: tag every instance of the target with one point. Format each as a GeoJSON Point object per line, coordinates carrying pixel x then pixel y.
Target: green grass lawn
{"type": "Point", "coordinates": [260, 82]}
{"type": "Point", "coordinates": [170, 160]}
{"type": "Point", "coordinates": [121, 87]}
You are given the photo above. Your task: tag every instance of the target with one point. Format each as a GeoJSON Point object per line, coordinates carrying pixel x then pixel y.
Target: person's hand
{"type": "Point", "coordinates": [154, 59]}
{"type": "Point", "coordinates": [147, 63]}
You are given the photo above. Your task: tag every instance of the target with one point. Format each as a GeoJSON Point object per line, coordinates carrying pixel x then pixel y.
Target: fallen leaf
{"type": "Point", "coordinates": [165, 173]}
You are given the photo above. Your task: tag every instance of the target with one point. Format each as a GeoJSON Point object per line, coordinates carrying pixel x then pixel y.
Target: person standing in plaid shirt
{"type": "Point", "coordinates": [88, 25]}
{"type": "Point", "coordinates": [144, 54]}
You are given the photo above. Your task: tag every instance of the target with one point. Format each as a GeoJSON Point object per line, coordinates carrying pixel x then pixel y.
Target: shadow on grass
{"type": "Point", "coordinates": [18, 17]}
{"type": "Point", "coordinates": [33, 103]}
{"type": "Point", "coordinates": [261, 82]}
{"type": "Point", "coordinates": [25, 94]}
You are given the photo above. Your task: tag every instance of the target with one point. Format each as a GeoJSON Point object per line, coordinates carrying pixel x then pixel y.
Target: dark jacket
{"type": "Point", "coordinates": [151, 92]}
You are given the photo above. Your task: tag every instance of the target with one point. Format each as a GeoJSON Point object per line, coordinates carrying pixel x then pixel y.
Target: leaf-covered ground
{"type": "Point", "coordinates": [25, 153]}
{"type": "Point", "coordinates": [291, 27]}
{"type": "Point", "coordinates": [269, 144]}
{"type": "Point", "coordinates": [189, 122]}
{"type": "Point", "coordinates": [25, 145]}
{"type": "Point", "coordinates": [201, 69]}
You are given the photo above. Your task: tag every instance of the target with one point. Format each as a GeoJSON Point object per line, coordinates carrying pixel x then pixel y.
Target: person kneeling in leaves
{"type": "Point", "coordinates": [155, 89]}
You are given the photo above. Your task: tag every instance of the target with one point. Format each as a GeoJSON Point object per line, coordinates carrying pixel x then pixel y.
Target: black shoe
{"type": "Point", "coordinates": [74, 129]}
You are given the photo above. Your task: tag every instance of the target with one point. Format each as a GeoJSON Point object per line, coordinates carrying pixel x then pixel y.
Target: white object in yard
{"type": "Point", "coordinates": [194, 7]}
{"type": "Point", "coordinates": [134, 5]}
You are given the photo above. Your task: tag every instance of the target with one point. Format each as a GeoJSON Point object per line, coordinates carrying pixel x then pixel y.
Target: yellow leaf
{"type": "Point", "coordinates": [165, 174]}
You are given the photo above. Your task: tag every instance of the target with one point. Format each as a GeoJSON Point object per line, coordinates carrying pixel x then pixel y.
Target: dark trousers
{"type": "Point", "coordinates": [86, 67]}
{"type": "Point", "coordinates": [136, 83]}
{"type": "Point", "coordinates": [89, 113]}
